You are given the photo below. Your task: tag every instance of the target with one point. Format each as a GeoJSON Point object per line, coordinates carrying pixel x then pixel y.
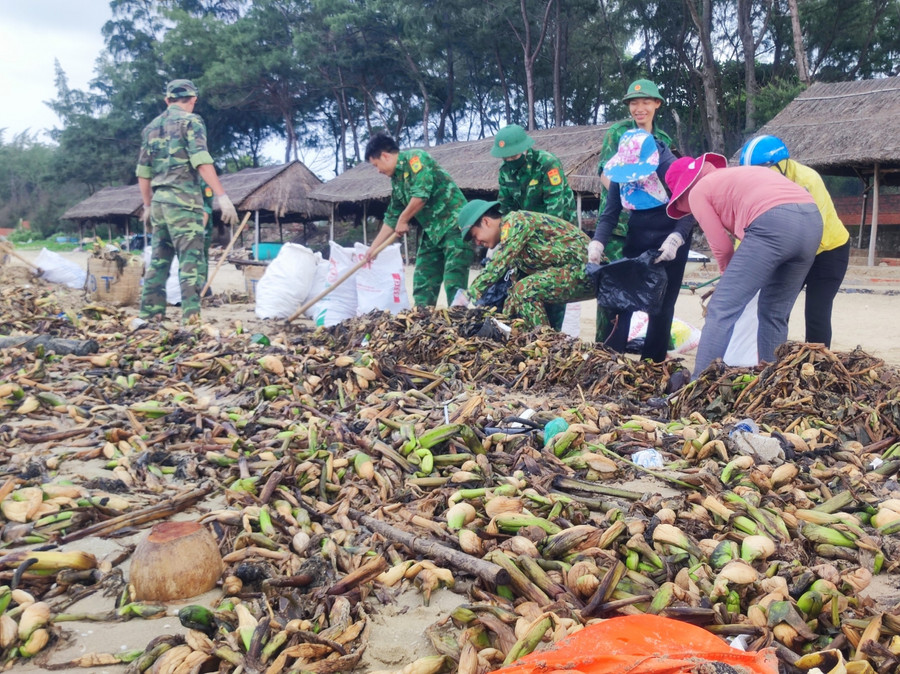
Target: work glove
{"type": "Point", "coordinates": [595, 252]}
{"type": "Point", "coordinates": [461, 299]}
{"type": "Point", "coordinates": [145, 217]}
{"type": "Point", "coordinates": [229, 214]}
{"type": "Point", "coordinates": [669, 247]}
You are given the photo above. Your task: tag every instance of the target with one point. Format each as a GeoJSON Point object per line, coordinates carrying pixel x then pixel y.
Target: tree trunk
{"type": "Point", "coordinates": [557, 70]}
{"type": "Point", "coordinates": [448, 99]}
{"type": "Point", "coordinates": [708, 74]}
{"type": "Point", "coordinates": [503, 83]}
{"type": "Point", "coordinates": [531, 55]}
{"type": "Point", "coordinates": [799, 50]}
{"type": "Point", "coordinates": [745, 30]}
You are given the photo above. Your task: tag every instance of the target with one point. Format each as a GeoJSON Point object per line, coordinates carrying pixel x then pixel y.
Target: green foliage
{"type": "Point", "coordinates": [322, 75]}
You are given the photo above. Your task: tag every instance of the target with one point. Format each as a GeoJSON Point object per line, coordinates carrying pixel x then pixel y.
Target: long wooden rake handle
{"type": "Point", "coordinates": [347, 274]}
{"type": "Point", "coordinates": [225, 254]}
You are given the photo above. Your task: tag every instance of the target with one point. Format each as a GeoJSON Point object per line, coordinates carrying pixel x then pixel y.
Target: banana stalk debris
{"type": "Point", "coordinates": [391, 453]}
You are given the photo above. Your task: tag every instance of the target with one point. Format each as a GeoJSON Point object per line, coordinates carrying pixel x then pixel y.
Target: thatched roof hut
{"type": "Point", "coordinates": [846, 128]}
{"type": "Point", "coordinates": [270, 192]}
{"type": "Point", "coordinates": [110, 203]}
{"type": "Point", "coordinates": [280, 190]}
{"type": "Point", "coordinates": [474, 169]}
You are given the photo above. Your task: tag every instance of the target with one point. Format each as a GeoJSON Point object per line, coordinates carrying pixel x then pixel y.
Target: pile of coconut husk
{"type": "Point", "coordinates": [333, 467]}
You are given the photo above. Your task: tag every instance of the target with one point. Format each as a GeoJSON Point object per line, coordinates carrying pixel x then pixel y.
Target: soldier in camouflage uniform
{"type": "Point", "coordinates": [421, 189]}
{"type": "Point", "coordinates": [172, 161]}
{"type": "Point", "coordinates": [643, 100]}
{"type": "Point", "coordinates": [533, 180]}
{"type": "Point", "coordinates": [548, 253]}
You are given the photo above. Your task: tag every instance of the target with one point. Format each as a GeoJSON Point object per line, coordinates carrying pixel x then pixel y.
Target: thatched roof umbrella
{"type": "Point", "coordinates": [474, 169]}
{"type": "Point", "coordinates": [276, 191]}
{"type": "Point", "coordinates": [846, 128]}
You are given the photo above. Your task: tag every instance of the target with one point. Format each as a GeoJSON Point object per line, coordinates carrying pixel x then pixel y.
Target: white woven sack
{"type": "Point", "coordinates": [319, 284]}
{"type": "Point", "coordinates": [57, 269]}
{"type": "Point", "coordinates": [286, 282]}
{"type": "Point", "coordinates": [173, 284]}
{"type": "Point", "coordinates": [381, 285]}
{"type": "Point", "coordinates": [340, 304]}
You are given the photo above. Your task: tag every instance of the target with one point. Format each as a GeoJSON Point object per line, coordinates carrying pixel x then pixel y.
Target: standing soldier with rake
{"type": "Point", "coordinates": [172, 161]}
{"type": "Point", "coordinates": [421, 189]}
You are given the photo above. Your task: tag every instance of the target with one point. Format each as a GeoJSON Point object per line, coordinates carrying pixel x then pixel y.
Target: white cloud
{"type": "Point", "coordinates": [32, 34]}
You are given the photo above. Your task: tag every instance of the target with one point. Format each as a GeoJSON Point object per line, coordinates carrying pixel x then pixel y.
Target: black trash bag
{"type": "Point", "coordinates": [630, 284]}
{"type": "Point", "coordinates": [495, 295]}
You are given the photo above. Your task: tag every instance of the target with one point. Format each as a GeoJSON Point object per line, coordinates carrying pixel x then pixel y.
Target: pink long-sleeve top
{"type": "Point", "coordinates": [728, 200]}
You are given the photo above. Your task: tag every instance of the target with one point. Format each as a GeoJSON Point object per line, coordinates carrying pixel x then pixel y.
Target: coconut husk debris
{"type": "Point", "coordinates": [334, 466]}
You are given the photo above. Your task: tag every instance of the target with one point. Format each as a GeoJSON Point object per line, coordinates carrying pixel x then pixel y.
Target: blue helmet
{"type": "Point", "coordinates": [764, 151]}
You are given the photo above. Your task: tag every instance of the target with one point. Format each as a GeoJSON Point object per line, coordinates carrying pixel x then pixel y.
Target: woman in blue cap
{"type": "Point", "coordinates": [637, 186]}
{"type": "Point", "coordinates": [643, 100]}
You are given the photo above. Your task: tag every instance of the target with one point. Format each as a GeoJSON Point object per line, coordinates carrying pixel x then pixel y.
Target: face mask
{"type": "Point", "coordinates": [516, 163]}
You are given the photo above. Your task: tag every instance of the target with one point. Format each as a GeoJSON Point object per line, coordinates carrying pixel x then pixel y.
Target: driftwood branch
{"type": "Point", "coordinates": [142, 516]}
{"type": "Point", "coordinates": [486, 571]}
{"type": "Point", "coordinates": [363, 574]}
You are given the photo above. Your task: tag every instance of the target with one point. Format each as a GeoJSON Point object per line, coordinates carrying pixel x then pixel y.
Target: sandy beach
{"type": "Point", "coordinates": [864, 317]}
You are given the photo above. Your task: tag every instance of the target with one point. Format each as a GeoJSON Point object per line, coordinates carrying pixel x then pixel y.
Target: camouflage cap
{"type": "Point", "coordinates": [180, 89]}
{"type": "Point", "coordinates": [510, 141]}
{"type": "Point", "coordinates": [471, 213]}
{"type": "Point", "coordinates": [643, 89]}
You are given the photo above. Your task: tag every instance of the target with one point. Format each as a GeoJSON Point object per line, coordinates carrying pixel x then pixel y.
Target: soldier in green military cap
{"type": "Point", "coordinates": [548, 253]}
{"type": "Point", "coordinates": [643, 100]}
{"type": "Point", "coordinates": [533, 180]}
{"type": "Point", "coordinates": [422, 190]}
{"type": "Point", "coordinates": [172, 166]}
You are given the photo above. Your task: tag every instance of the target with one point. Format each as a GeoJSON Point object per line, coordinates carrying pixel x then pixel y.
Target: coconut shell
{"type": "Point", "coordinates": [177, 560]}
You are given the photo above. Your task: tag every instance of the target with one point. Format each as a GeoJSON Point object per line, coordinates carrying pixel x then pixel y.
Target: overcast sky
{"type": "Point", "coordinates": [32, 34]}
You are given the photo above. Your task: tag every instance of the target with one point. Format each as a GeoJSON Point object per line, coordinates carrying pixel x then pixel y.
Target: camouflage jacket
{"type": "Point", "coordinates": [531, 242]}
{"type": "Point", "coordinates": [536, 182]}
{"type": "Point", "coordinates": [418, 175]}
{"type": "Point", "coordinates": [172, 147]}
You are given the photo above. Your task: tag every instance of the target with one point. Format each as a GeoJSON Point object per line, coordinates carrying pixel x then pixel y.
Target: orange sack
{"type": "Point", "coordinates": [642, 644]}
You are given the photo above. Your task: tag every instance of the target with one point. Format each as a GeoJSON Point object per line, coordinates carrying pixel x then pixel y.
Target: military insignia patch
{"type": "Point", "coordinates": [555, 178]}
{"type": "Point", "coordinates": [532, 183]}
{"type": "Point", "coordinates": [207, 192]}
{"type": "Point", "coordinates": [415, 164]}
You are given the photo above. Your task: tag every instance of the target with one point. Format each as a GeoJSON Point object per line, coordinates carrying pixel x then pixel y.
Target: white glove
{"type": "Point", "coordinates": [229, 214]}
{"type": "Point", "coordinates": [595, 251]}
{"type": "Point", "coordinates": [669, 247]}
{"type": "Point", "coordinates": [461, 299]}
{"type": "Point", "coordinates": [145, 216]}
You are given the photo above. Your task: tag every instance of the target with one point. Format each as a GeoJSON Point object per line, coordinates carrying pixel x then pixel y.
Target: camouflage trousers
{"type": "Point", "coordinates": [176, 231]}
{"type": "Point", "coordinates": [613, 251]}
{"type": "Point", "coordinates": [556, 286]}
{"type": "Point", "coordinates": [446, 260]}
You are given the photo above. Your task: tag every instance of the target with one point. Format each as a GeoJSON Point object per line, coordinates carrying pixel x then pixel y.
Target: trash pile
{"type": "Point", "coordinates": [334, 466]}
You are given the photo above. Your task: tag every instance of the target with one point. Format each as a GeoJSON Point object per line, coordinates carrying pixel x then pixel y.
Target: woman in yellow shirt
{"type": "Point", "coordinates": [827, 272]}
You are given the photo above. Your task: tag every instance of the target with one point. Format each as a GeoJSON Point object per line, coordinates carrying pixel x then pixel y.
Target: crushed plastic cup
{"type": "Point", "coordinates": [648, 458]}
{"type": "Point", "coordinates": [745, 426]}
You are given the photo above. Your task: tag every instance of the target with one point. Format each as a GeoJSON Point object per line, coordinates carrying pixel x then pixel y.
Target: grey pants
{"type": "Point", "coordinates": [776, 253]}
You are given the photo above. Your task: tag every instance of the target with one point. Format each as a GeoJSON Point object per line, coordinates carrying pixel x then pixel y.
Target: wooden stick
{"type": "Point", "coordinates": [225, 254]}
{"type": "Point", "coordinates": [155, 512]}
{"type": "Point", "coordinates": [9, 249]}
{"type": "Point", "coordinates": [492, 574]}
{"type": "Point", "coordinates": [347, 274]}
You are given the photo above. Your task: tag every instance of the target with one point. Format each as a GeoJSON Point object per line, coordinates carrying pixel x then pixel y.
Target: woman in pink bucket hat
{"type": "Point", "coordinates": [779, 227]}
